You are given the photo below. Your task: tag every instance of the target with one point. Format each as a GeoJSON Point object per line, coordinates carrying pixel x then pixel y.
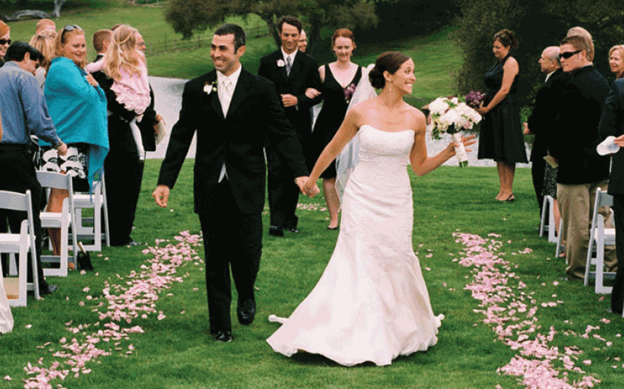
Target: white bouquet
{"type": "Point", "coordinates": [451, 116]}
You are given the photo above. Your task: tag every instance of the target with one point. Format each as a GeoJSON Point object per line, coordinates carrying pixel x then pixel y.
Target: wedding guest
{"type": "Point", "coordinates": [303, 41]}
{"type": "Point", "coordinates": [612, 124]}
{"type": "Point", "coordinates": [616, 61]}
{"type": "Point", "coordinates": [572, 142]}
{"type": "Point", "coordinates": [339, 80]}
{"type": "Point", "coordinates": [102, 39]}
{"type": "Point", "coordinates": [5, 40]}
{"type": "Point", "coordinates": [501, 133]}
{"type": "Point", "coordinates": [232, 112]}
{"type": "Point", "coordinates": [292, 72]}
{"type": "Point", "coordinates": [580, 31]}
{"type": "Point", "coordinates": [78, 108]}
{"type": "Point", "coordinates": [540, 123]}
{"type": "Point", "coordinates": [46, 27]}
{"type": "Point", "coordinates": [24, 113]}
{"type": "Point", "coordinates": [124, 166]}
{"type": "Point", "coordinates": [47, 47]}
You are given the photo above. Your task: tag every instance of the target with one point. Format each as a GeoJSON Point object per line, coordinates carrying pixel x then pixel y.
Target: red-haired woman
{"type": "Point", "coordinates": [340, 79]}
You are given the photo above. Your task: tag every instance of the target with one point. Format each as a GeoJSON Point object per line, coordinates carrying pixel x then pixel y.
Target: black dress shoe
{"type": "Point", "coordinates": [48, 289]}
{"type": "Point", "coordinates": [276, 231]}
{"type": "Point", "coordinates": [246, 311]}
{"type": "Point", "coordinates": [223, 336]}
{"type": "Point", "coordinates": [294, 230]}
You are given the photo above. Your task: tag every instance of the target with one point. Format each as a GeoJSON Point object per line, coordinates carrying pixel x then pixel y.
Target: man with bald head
{"type": "Point", "coordinates": [544, 112]}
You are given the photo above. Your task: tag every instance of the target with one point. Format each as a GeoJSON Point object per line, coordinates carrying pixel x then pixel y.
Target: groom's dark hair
{"type": "Point", "coordinates": [240, 38]}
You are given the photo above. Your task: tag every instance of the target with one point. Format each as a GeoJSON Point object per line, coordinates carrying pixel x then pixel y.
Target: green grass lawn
{"type": "Point", "coordinates": [177, 352]}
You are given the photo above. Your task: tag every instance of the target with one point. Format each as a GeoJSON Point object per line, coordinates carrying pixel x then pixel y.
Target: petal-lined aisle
{"type": "Point", "coordinates": [511, 310]}
{"type": "Point", "coordinates": [125, 299]}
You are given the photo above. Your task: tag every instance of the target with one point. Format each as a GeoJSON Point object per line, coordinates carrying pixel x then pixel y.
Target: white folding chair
{"type": "Point", "coordinates": [559, 240]}
{"type": "Point", "coordinates": [548, 206]}
{"type": "Point", "coordinates": [599, 237]}
{"type": "Point", "coordinates": [63, 220]}
{"type": "Point", "coordinates": [21, 244]}
{"type": "Point", "coordinates": [97, 202]}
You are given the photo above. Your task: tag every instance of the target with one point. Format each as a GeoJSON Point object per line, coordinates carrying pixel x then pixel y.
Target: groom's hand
{"type": "Point", "coordinates": [301, 183]}
{"type": "Point", "coordinates": [161, 195]}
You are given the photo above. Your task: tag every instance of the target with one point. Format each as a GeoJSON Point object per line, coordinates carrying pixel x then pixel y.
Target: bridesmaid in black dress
{"type": "Point", "coordinates": [501, 132]}
{"type": "Point", "coordinates": [339, 79]}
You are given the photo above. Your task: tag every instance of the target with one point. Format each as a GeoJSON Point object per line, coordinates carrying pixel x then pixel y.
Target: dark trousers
{"type": "Point", "coordinates": [617, 295]}
{"type": "Point", "coordinates": [538, 166]}
{"type": "Point", "coordinates": [17, 174]}
{"type": "Point", "coordinates": [283, 192]}
{"type": "Point", "coordinates": [124, 173]}
{"type": "Point", "coordinates": [231, 239]}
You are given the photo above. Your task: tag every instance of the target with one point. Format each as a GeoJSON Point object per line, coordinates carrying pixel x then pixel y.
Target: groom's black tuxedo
{"type": "Point", "coordinates": [230, 210]}
{"type": "Point", "coordinates": [283, 195]}
{"type": "Point", "coordinates": [612, 124]}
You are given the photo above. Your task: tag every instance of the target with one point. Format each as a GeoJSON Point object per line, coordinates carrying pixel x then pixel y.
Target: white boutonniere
{"type": "Point", "coordinates": [210, 87]}
{"type": "Point", "coordinates": [280, 63]}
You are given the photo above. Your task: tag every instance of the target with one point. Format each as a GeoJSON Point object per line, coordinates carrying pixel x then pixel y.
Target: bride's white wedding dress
{"type": "Point", "coordinates": [371, 303]}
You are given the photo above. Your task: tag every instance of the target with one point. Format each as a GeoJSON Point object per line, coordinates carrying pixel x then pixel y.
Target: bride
{"type": "Point", "coordinates": [371, 303]}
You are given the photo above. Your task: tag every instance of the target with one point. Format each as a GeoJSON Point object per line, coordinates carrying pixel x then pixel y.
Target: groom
{"type": "Point", "coordinates": [232, 111]}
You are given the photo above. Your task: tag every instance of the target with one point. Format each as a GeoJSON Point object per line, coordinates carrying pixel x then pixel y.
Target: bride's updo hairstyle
{"type": "Point", "coordinates": [390, 62]}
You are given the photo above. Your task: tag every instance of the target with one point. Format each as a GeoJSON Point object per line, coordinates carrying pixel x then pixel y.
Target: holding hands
{"type": "Point", "coordinates": [307, 186]}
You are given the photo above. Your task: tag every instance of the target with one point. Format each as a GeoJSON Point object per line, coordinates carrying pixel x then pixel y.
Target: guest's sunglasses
{"type": "Point", "coordinates": [5, 42]}
{"type": "Point", "coordinates": [569, 54]}
{"type": "Point", "coordinates": [69, 27]}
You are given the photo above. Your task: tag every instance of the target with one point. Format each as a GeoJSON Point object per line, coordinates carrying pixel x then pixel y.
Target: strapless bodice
{"type": "Point", "coordinates": [384, 147]}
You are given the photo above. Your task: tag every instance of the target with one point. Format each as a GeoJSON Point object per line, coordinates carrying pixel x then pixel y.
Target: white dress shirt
{"type": "Point", "coordinates": [291, 56]}
{"type": "Point", "coordinates": [225, 98]}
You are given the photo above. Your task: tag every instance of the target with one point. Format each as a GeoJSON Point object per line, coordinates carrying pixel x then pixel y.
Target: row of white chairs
{"type": "Point", "coordinates": [599, 237]}
{"type": "Point", "coordinates": [69, 221]}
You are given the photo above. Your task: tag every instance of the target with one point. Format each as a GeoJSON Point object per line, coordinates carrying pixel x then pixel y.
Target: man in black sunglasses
{"type": "Point", "coordinates": [572, 143]}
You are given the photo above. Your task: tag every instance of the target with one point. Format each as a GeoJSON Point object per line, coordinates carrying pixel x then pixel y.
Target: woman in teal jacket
{"type": "Point", "coordinates": [77, 106]}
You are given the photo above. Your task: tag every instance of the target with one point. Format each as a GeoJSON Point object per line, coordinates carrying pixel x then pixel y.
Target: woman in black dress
{"type": "Point", "coordinates": [339, 79]}
{"type": "Point", "coordinates": [501, 133]}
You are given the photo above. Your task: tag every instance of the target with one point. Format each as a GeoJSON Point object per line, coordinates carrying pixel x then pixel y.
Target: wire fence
{"type": "Point", "coordinates": [197, 42]}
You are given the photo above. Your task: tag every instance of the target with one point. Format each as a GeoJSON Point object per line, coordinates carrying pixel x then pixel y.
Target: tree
{"type": "Point", "coordinates": [190, 16]}
{"type": "Point", "coordinates": [537, 24]}
{"type": "Point", "coordinates": [37, 14]}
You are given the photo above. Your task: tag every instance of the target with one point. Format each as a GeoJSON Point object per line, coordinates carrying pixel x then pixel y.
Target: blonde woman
{"type": "Point", "coordinates": [616, 61]}
{"type": "Point", "coordinates": [46, 45]}
{"type": "Point", "coordinates": [77, 106]}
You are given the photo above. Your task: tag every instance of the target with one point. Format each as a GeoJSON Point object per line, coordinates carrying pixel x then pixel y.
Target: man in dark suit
{"type": "Point", "coordinates": [232, 111]}
{"type": "Point", "coordinates": [544, 112]}
{"type": "Point", "coordinates": [293, 72]}
{"type": "Point", "coordinates": [572, 142]}
{"type": "Point", "coordinates": [612, 124]}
